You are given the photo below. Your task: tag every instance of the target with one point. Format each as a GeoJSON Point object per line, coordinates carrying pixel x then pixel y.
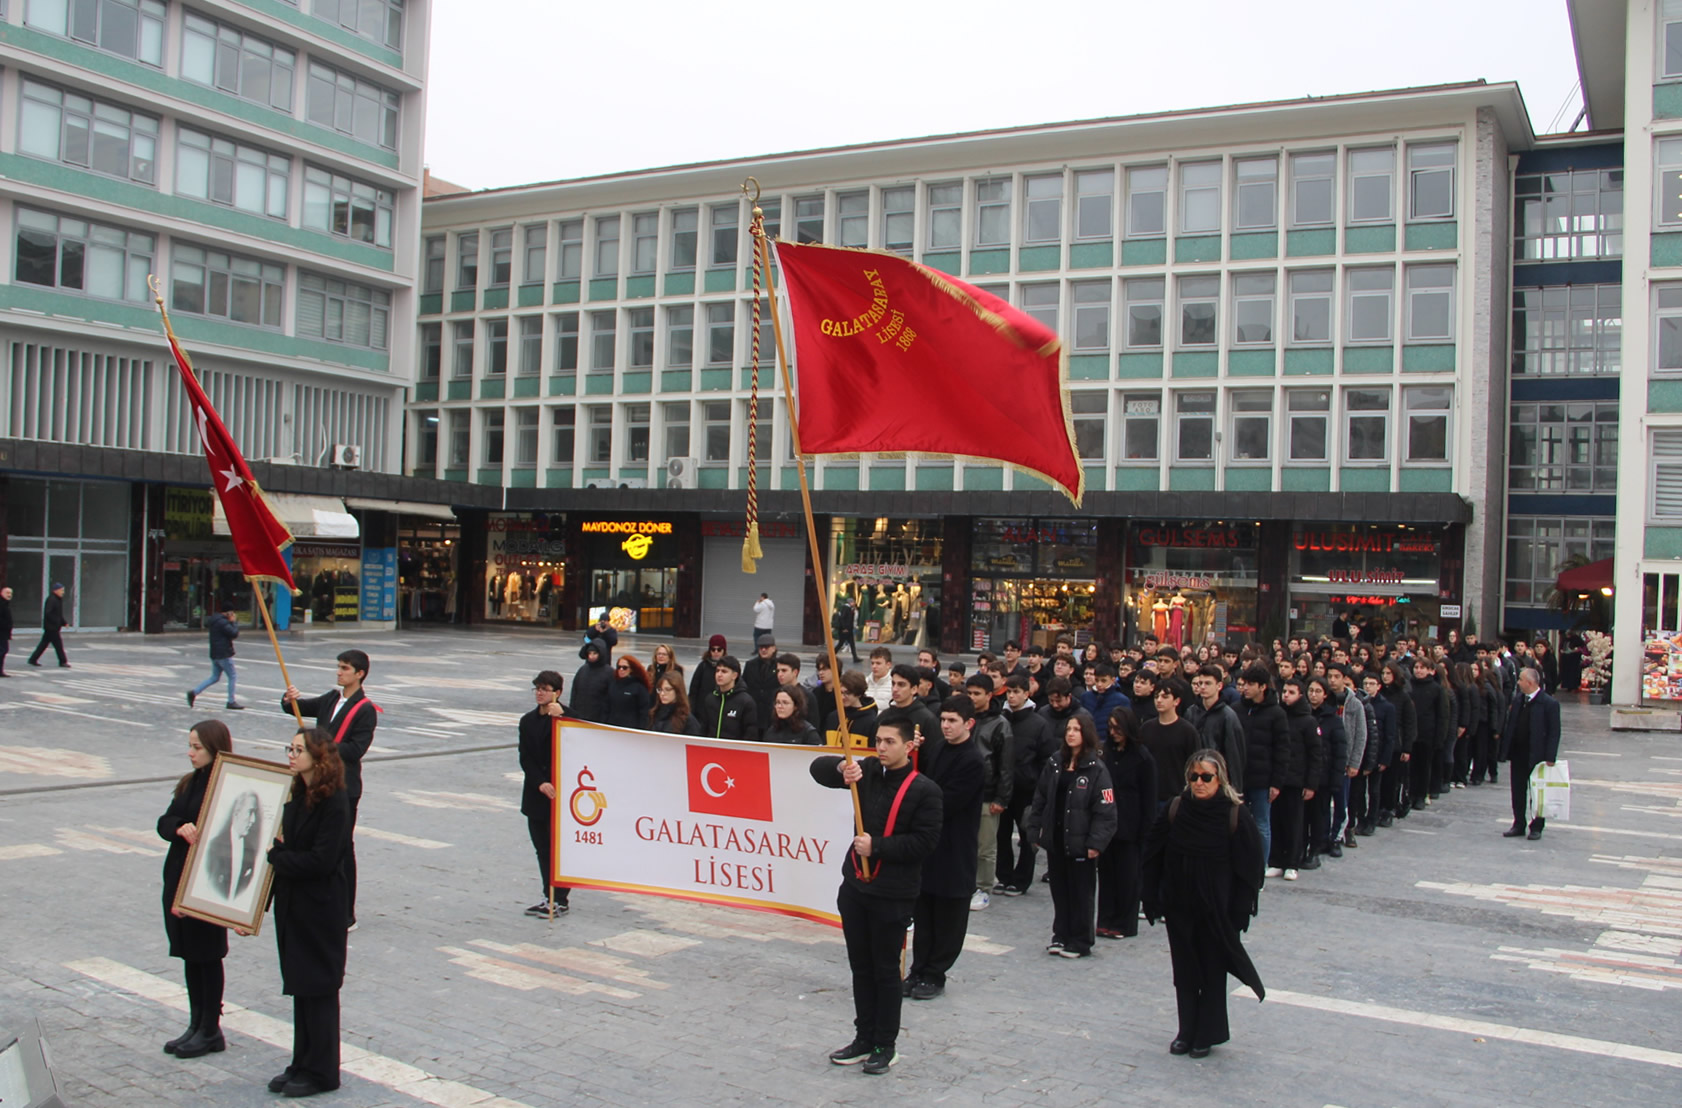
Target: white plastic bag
{"type": "Point", "coordinates": [1550, 791]}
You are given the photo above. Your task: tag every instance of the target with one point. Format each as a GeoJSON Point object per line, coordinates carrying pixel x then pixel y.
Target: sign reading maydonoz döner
{"type": "Point", "coordinates": [739, 823]}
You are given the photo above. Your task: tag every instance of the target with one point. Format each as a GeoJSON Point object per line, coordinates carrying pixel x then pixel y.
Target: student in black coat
{"type": "Point", "coordinates": [880, 878]}
{"type": "Point", "coordinates": [201, 946]}
{"type": "Point", "coordinates": [728, 712]}
{"type": "Point", "coordinates": [1304, 765]}
{"type": "Point", "coordinates": [1530, 737]}
{"type": "Point", "coordinates": [52, 622]}
{"type": "Point", "coordinates": [1032, 745]}
{"type": "Point", "coordinates": [1433, 708]}
{"type": "Point", "coordinates": [1383, 746]}
{"type": "Point", "coordinates": [630, 696]}
{"type": "Point", "coordinates": [1073, 819]}
{"type": "Point", "coordinates": [5, 627]}
{"type": "Point", "coordinates": [701, 682]}
{"type": "Point", "coordinates": [862, 711]}
{"type": "Point", "coordinates": [788, 720]}
{"type": "Point", "coordinates": [312, 910]}
{"type": "Point", "coordinates": [1133, 773]}
{"type": "Point", "coordinates": [349, 718]}
{"type": "Point", "coordinates": [537, 795]}
{"type": "Point", "coordinates": [671, 713]}
{"type": "Point", "coordinates": [1203, 874]}
{"type": "Point", "coordinates": [1323, 836]}
{"type": "Point", "coordinates": [942, 912]}
{"type": "Point", "coordinates": [759, 678]}
{"type": "Point", "coordinates": [592, 685]}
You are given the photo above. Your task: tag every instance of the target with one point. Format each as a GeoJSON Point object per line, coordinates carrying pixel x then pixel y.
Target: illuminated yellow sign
{"type": "Point", "coordinates": [625, 527]}
{"type": "Point", "coordinates": [637, 546]}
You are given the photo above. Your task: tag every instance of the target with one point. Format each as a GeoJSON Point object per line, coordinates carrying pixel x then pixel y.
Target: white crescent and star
{"type": "Point", "coordinates": [232, 475]}
{"type": "Point", "coordinates": [706, 770]}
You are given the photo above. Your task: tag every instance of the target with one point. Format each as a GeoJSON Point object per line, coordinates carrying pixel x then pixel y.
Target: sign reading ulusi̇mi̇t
{"type": "Point", "coordinates": [713, 820]}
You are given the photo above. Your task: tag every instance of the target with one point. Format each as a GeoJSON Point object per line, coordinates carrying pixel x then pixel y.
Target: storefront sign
{"type": "Point", "coordinates": [885, 573]}
{"type": "Point", "coordinates": [379, 583]}
{"type": "Point", "coordinates": [1367, 542]}
{"type": "Point", "coordinates": [736, 529]}
{"type": "Point", "coordinates": [637, 547]}
{"type": "Point", "coordinates": [625, 527]}
{"type": "Point", "coordinates": [520, 536]}
{"type": "Point", "coordinates": [1365, 576]}
{"type": "Point", "coordinates": [324, 550]}
{"type": "Point", "coordinates": [1377, 601]}
{"type": "Point", "coordinates": [1176, 581]}
{"type": "Point", "coordinates": [1223, 538]}
{"type": "Point", "coordinates": [187, 513]}
{"type": "Point", "coordinates": [1451, 611]}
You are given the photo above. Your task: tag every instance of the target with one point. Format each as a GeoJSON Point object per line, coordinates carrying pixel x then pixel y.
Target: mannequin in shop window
{"type": "Point", "coordinates": [493, 596]}
{"type": "Point", "coordinates": [1159, 619]}
{"type": "Point", "coordinates": [1177, 621]}
{"type": "Point", "coordinates": [511, 590]}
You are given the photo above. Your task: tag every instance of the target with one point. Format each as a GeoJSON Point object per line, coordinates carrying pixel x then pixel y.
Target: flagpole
{"type": "Point", "coordinates": [763, 260]}
{"type": "Point", "coordinates": [257, 587]}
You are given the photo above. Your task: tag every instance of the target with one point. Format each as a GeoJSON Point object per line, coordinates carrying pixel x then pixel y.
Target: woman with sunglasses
{"type": "Point", "coordinates": [630, 697]}
{"type": "Point", "coordinates": [201, 946]}
{"type": "Point", "coordinates": [312, 910]}
{"type": "Point", "coordinates": [1203, 871]}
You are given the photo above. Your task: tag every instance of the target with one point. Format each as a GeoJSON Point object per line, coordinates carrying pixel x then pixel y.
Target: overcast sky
{"type": "Point", "coordinates": [540, 90]}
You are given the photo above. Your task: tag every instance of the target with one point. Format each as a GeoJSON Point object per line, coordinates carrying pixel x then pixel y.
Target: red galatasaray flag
{"type": "Point", "coordinates": [895, 356]}
{"type": "Point", "coordinates": [259, 537]}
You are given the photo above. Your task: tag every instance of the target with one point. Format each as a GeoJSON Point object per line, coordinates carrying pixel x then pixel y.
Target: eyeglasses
{"type": "Point", "coordinates": [1203, 777]}
{"type": "Point", "coordinates": [294, 750]}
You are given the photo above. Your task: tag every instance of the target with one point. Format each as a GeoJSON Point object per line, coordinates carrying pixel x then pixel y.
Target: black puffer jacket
{"type": "Point", "coordinates": [1383, 742]}
{"type": "Point", "coordinates": [1089, 820]}
{"type": "Point", "coordinates": [1032, 744]}
{"type": "Point", "coordinates": [592, 685]}
{"type": "Point", "coordinates": [1133, 773]}
{"type": "Point", "coordinates": [1336, 742]}
{"type": "Point", "coordinates": [1306, 762]}
{"type": "Point", "coordinates": [1267, 740]}
{"type": "Point", "coordinates": [916, 831]}
{"type": "Point", "coordinates": [1407, 720]}
{"type": "Point", "coordinates": [1433, 710]}
{"type": "Point", "coordinates": [628, 703]}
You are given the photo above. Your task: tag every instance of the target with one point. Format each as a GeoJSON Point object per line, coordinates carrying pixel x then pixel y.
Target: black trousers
{"type": "Point", "coordinates": [1483, 753]}
{"type": "Point", "coordinates": [1396, 785]}
{"type": "Point", "coordinates": [1421, 768]}
{"type": "Point", "coordinates": [205, 982]}
{"type": "Point", "coordinates": [315, 1040]}
{"type": "Point", "coordinates": [844, 641]}
{"type": "Point", "coordinates": [942, 923]}
{"type": "Point", "coordinates": [1287, 829]}
{"type": "Point", "coordinates": [1462, 768]}
{"type": "Point", "coordinates": [1318, 815]}
{"type": "Point", "coordinates": [1013, 868]}
{"type": "Point", "coordinates": [1195, 948]}
{"type": "Point", "coordinates": [5, 648]}
{"type": "Point", "coordinates": [1073, 883]}
{"type": "Point", "coordinates": [1369, 794]}
{"type": "Point", "coordinates": [541, 828]}
{"type": "Point", "coordinates": [49, 638]}
{"type": "Point", "coordinates": [350, 864]}
{"type": "Point", "coordinates": [1118, 888]}
{"type": "Point", "coordinates": [1519, 768]}
{"type": "Point", "coordinates": [874, 930]}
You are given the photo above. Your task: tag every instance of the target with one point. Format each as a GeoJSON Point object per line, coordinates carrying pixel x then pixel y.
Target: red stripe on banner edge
{"type": "Point", "coordinates": [832, 920]}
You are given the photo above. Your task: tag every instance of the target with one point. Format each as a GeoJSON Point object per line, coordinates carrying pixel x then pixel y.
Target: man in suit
{"type": "Point", "coordinates": [232, 857]}
{"type": "Point", "coordinates": [52, 622]}
{"type": "Point", "coordinates": [350, 717]}
{"type": "Point", "coordinates": [1530, 737]}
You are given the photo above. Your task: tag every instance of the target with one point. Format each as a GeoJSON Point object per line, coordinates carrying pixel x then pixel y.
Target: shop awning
{"type": "Point", "coordinates": [1590, 578]}
{"type": "Point", "coordinates": [308, 517]}
{"type": "Point", "coordinates": [402, 507]}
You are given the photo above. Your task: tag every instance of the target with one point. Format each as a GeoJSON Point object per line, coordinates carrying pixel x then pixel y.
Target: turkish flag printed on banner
{"type": "Point", "coordinates": [259, 536]}
{"type": "Point", "coordinates": [734, 783]}
{"type": "Point", "coordinates": [895, 356]}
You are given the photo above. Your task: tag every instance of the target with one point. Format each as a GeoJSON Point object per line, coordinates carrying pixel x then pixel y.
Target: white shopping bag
{"type": "Point", "coordinates": [1550, 791]}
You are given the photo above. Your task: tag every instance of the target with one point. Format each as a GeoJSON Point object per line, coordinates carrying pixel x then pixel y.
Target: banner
{"type": "Point", "coordinates": [738, 823]}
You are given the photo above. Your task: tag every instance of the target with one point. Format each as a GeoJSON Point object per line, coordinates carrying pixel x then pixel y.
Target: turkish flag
{"type": "Point", "coordinates": [259, 536]}
{"type": "Point", "coordinates": [895, 356]}
{"type": "Point", "coordinates": [735, 783]}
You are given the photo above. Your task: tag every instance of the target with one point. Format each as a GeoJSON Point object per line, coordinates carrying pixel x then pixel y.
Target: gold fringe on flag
{"type": "Point", "coordinates": [751, 550]}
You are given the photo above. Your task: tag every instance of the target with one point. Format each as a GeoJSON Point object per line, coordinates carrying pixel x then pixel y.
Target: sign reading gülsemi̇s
{"type": "Point", "coordinates": [712, 820]}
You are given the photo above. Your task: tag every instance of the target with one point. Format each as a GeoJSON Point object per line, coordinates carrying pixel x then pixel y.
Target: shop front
{"type": "Point", "coordinates": [329, 575]}
{"type": "Point", "coordinates": [74, 533]}
{"type": "Point", "coordinates": [525, 567]}
{"type": "Point", "coordinates": [201, 572]}
{"type": "Point", "coordinates": [1191, 583]}
{"type": "Point", "coordinates": [889, 570]}
{"type": "Point", "coordinates": [427, 553]}
{"type": "Point", "coordinates": [1387, 576]}
{"type": "Point", "coordinates": [1032, 580]}
{"type": "Point", "coordinates": [633, 566]}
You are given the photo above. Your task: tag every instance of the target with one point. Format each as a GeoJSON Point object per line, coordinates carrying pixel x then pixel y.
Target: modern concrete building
{"type": "Point", "coordinates": [263, 159]}
{"type": "Point", "coordinates": [1286, 324]}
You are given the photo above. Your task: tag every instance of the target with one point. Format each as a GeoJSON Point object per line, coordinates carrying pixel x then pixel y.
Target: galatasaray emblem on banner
{"type": "Point", "coordinates": [725, 822]}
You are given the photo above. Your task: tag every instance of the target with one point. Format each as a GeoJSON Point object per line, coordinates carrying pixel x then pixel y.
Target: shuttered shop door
{"type": "Point", "coordinates": [728, 594]}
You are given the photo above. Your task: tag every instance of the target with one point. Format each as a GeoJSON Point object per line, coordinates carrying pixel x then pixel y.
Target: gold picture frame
{"type": "Point", "coordinates": [227, 874]}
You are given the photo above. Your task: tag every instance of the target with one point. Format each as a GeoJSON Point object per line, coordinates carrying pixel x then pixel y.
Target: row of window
{"type": "Point", "coordinates": [95, 259]}
{"type": "Point", "coordinates": [1569, 447]}
{"type": "Point", "coordinates": [1538, 546]}
{"type": "Point", "coordinates": [73, 129]}
{"type": "Point", "coordinates": [241, 64]}
{"type": "Point", "coordinates": [1568, 329]}
{"type": "Point", "coordinates": [1302, 432]}
{"type": "Point", "coordinates": [683, 236]}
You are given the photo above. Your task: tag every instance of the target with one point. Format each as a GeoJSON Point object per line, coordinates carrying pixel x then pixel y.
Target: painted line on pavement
{"type": "Point", "coordinates": [27, 850]}
{"type": "Point", "coordinates": [363, 830]}
{"type": "Point", "coordinates": [1589, 754]}
{"type": "Point", "coordinates": [1505, 1032]}
{"type": "Point", "coordinates": [1555, 824]}
{"type": "Point", "coordinates": [400, 1077]}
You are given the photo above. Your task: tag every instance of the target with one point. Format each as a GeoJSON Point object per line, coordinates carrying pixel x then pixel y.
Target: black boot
{"type": "Point", "coordinates": [195, 1007]}
{"type": "Point", "coordinates": [206, 1040]}
{"type": "Point", "coordinates": [192, 1027]}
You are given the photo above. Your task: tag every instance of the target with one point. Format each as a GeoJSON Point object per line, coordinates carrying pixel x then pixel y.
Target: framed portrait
{"type": "Point", "coordinates": [227, 876]}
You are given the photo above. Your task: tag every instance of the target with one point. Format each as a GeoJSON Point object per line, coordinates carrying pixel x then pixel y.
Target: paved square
{"type": "Point", "coordinates": [1439, 964]}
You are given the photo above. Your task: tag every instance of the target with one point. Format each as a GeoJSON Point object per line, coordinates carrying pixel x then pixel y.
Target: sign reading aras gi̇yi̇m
{"type": "Point", "coordinates": [712, 820]}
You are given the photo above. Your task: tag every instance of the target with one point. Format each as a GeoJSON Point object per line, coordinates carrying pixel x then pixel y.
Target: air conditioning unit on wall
{"type": "Point", "coordinates": [347, 456]}
{"type": "Point", "coordinates": [680, 473]}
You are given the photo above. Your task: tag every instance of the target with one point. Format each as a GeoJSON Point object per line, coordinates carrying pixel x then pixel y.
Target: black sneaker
{"type": "Point", "coordinates": [234, 707]}
{"type": "Point", "coordinates": [191, 697]}
{"type": "Point", "coordinates": [880, 1059]}
{"type": "Point", "coordinates": [926, 990]}
{"type": "Point", "coordinates": [540, 910]}
{"type": "Point", "coordinates": [851, 1054]}
{"type": "Point", "coordinates": [1009, 890]}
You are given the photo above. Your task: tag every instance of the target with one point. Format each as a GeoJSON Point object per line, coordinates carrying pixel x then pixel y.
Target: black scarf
{"type": "Point", "coordinates": [1201, 828]}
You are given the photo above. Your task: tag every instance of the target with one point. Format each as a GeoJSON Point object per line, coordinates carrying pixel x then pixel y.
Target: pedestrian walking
{"type": "Point", "coordinates": [222, 630]}
{"type": "Point", "coordinates": [764, 618]}
{"type": "Point", "coordinates": [841, 626]}
{"type": "Point", "coordinates": [201, 946]}
{"type": "Point", "coordinates": [52, 623]}
{"type": "Point", "coordinates": [349, 718]}
{"type": "Point", "coordinates": [880, 877]}
{"type": "Point", "coordinates": [1203, 874]}
{"type": "Point", "coordinates": [537, 794]}
{"type": "Point", "coordinates": [1073, 819]}
{"type": "Point", "coordinates": [1133, 775]}
{"type": "Point", "coordinates": [5, 627]}
{"type": "Point", "coordinates": [312, 909]}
